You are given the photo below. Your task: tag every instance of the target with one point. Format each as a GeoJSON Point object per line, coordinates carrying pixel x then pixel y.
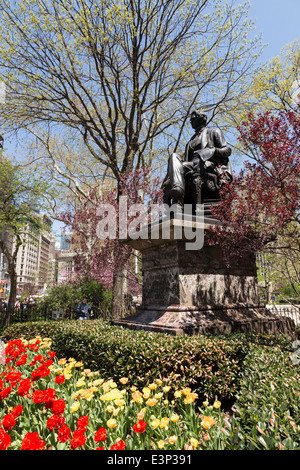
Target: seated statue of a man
{"type": "Point", "coordinates": [203, 169]}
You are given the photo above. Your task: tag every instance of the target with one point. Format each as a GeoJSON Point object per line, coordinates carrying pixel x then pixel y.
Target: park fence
{"type": "Point", "coordinates": [40, 313]}
{"type": "Point", "coordinates": [24, 315]}
{"type": "Point", "coordinates": [44, 313]}
{"type": "Point", "coordinates": [286, 311]}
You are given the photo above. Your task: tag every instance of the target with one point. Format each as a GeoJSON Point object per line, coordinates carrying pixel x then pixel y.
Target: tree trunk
{"type": "Point", "coordinates": [12, 294]}
{"type": "Point", "coordinates": [119, 292]}
{"type": "Point", "coordinates": [11, 258]}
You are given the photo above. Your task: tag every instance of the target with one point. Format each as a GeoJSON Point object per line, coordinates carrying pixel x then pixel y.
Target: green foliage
{"type": "Point", "coordinates": [66, 296]}
{"type": "Point", "coordinates": [29, 330]}
{"type": "Point", "coordinates": [290, 292]}
{"type": "Point", "coordinates": [20, 194]}
{"type": "Point", "coordinates": [209, 365]}
{"type": "Point", "coordinates": [268, 403]}
{"type": "Point", "coordinates": [255, 372]}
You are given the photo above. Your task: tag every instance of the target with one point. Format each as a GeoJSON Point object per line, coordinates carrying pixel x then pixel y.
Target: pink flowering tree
{"type": "Point", "coordinates": [107, 258]}
{"type": "Point", "coordinates": [260, 209]}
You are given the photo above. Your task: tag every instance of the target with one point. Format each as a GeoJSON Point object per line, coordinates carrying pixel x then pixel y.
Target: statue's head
{"type": "Point", "coordinates": [198, 119]}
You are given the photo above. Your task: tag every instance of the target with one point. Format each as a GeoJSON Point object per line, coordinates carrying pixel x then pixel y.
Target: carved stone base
{"type": "Point", "coordinates": [196, 292]}
{"type": "Point", "coordinates": [180, 319]}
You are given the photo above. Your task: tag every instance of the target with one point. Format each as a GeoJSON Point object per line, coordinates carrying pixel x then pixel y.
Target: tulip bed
{"type": "Point", "coordinates": [50, 403]}
{"type": "Point", "coordinates": [49, 400]}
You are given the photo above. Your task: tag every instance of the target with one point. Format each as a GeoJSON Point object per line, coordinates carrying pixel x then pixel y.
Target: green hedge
{"type": "Point", "coordinates": [209, 365]}
{"type": "Point", "coordinates": [255, 372]}
{"type": "Point", "coordinates": [267, 407]}
{"type": "Point", "coordinates": [29, 330]}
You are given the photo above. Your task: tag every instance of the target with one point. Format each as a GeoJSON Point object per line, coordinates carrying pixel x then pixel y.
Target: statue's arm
{"type": "Point", "coordinates": [222, 151]}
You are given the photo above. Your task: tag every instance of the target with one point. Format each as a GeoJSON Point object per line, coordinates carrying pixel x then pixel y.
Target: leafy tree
{"type": "Point", "coordinates": [121, 76]}
{"type": "Point", "coordinates": [20, 197]}
{"type": "Point", "coordinates": [274, 86]}
{"type": "Point", "coordinates": [281, 269]}
{"type": "Point", "coordinates": [66, 296]}
{"type": "Point", "coordinates": [277, 85]}
{"type": "Point", "coordinates": [260, 210]}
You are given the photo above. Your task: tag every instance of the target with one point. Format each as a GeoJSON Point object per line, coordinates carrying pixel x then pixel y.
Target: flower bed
{"type": "Point", "coordinates": [50, 403]}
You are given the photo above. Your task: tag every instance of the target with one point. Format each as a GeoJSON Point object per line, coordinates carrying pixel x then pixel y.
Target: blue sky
{"type": "Point", "coordinates": [278, 21]}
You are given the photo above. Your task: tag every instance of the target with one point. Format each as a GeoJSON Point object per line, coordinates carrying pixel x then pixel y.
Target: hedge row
{"type": "Point", "coordinates": [211, 366]}
{"type": "Point", "coordinates": [267, 406]}
{"type": "Point", "coordinates": [258, 372]}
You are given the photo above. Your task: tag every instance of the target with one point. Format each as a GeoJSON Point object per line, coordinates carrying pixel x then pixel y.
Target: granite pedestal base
{"type": "Point", "coordinates": [195, 292]}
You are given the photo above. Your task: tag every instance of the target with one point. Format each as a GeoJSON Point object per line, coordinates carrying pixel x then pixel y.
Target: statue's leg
{"type": "Point", "coordinates": [194, 176]}
{"type": "Point", "coordinates": [166, 187]}
{"type": "Point", "coordinates": [176, 175]}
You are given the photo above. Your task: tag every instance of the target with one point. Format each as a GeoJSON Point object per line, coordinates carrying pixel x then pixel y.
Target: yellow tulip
{"type": "Point", "coordinates": [155, 423]}
{"type": "Point", "coordinates": [172, 439]}
{"type": "Point", "coordinates": [146, 392]}
{"type": "Point", "coordinates": [151, 401]}
{"type": "Point", "coordinates": [75, 406]}
{"type": "Point", "coordinates": [164, 422]}
{"type": "Point", "coordinates": [111, 423]}
{"type": "Point", "coordinates": [194, 442]}
{"type": "Point", "coordinates": [174, 418]}
{"type": "Point", "coordinates": [124, 380]}
{"type": "Point", "coordinates": [207, 422]}
{"type": "Point", "coordinates": [152, 386]}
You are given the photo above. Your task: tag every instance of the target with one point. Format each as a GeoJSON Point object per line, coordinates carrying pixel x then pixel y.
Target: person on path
{"type": "Point", "coordinates": [83, 310]}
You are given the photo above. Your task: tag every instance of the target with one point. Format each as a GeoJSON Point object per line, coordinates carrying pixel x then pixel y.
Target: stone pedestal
{"type": "Point", "coordinates": [194, 292]}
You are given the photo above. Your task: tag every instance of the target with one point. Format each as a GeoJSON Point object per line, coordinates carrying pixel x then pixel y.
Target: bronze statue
{"type": "Point", "coordinates": [204, 168]}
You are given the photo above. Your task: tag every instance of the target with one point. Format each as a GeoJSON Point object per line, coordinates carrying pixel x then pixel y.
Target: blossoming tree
{"type": "Point", "coordinates": [106, 258]}
{"type": "Point", "coordinates": [260, 210]}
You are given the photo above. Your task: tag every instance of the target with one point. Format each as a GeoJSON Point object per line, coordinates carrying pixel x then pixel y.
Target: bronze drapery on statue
{"type": "Point", "coordinates": [205, 166]}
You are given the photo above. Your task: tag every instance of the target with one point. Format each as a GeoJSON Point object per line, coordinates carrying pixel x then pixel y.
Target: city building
{"type": "Point", "coordinates": [52, 264]}
{"type": "Point", "coordinates": [4, 277]}
{"type": "Point", "coordinates": [65, 265]}
{"type": "Point", "coordinates": [41, 262]}
{"type": "Point", "coordinates": [65, 240]}
{"type": "Point", "coordinates": [33, 258]}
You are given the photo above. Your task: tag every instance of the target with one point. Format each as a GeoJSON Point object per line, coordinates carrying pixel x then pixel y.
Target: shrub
{"type": "Point", "coordinates": [46, 403]}
{"type": "Point", "coordinates": [209, 365]}
{"type": "Point", "coordinates": [29, 330]}
{"type": "Point", "coordinates": [66, 297]}
{"type": "Point", "coordinates": [257, 372]}
{"type": "Point", "coordinates": [268, 402]}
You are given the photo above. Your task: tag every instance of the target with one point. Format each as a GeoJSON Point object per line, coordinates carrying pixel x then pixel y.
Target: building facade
{"type": "Point", "coordinates": [33, 258]}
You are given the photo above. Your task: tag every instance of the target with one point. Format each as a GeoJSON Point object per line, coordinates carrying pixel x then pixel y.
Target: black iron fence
{"type": "Point", "coordinates": [24, 315]}
{"type": "Point", "coordinates": [42, 313]}
{"type": "Point", "coordinates": [45, 313]}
